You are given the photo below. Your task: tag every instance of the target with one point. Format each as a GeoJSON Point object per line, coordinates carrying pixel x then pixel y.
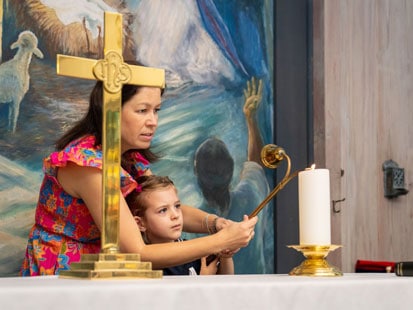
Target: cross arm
{"type": "Point", "coordinates": [146, 76]}
{"type": "Point", "coordinates": [75, 67]}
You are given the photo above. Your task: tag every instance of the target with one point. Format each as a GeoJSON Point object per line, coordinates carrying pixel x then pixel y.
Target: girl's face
{"type": "Point", "coordinates": [139, 119]}
{"type": "Point", "coordinates": [162, 221]}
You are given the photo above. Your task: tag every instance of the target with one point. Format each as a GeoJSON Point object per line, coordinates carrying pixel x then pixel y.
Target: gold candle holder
{"type": "Point", "coordinates": [315, 263]}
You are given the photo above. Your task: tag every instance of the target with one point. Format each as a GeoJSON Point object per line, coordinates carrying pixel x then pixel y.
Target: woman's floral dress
{"type": "Point", "coordinates": [64, 228]}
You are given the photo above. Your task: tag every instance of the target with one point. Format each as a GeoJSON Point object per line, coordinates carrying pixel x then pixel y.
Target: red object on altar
{"type": "Point", "coordinates": [374, 266]}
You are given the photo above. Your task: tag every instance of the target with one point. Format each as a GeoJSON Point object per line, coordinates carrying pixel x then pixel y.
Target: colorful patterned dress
{"type": "Point", "coordinates": [64, 228]}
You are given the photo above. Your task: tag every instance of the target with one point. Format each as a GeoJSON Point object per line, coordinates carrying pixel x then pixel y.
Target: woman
{"type": "Point", "coordinates": [69, 211]}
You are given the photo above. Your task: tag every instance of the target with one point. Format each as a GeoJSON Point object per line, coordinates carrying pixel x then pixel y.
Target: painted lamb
{"type": "Point", "coordinates": [14, 75]}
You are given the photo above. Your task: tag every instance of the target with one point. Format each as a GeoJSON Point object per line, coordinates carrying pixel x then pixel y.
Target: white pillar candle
{"type": "Point", "coordinates": [314, 206]}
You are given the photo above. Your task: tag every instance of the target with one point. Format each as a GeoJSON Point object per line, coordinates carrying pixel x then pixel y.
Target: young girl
{"type": "Point", "coordinates": [157, 210]}
{"type": "Point", "coordinates": [68, 216]}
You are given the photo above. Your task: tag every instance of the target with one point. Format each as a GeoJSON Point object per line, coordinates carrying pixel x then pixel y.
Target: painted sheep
{"type": "Point", "coordinates": [14, 75]}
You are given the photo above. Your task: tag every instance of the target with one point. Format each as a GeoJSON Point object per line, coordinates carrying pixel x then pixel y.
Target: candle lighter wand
{"type": "Point", "coordinates": [271, 157]}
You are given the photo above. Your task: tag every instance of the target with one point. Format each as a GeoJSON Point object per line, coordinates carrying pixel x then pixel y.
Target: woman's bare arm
{"type": "Point", "coordinates": [86, 183]}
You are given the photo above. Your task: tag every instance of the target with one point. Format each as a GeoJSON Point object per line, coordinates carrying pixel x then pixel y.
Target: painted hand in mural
{"type": "Point", "coordinates": [253, 98]}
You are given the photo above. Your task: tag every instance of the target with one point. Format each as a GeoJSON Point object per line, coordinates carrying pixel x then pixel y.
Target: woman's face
{"type": "Point", "coordinates": [139, 119]}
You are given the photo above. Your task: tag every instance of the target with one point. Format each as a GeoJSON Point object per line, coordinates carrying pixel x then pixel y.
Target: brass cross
{"type": "Point", "coordinates": [113, 72]}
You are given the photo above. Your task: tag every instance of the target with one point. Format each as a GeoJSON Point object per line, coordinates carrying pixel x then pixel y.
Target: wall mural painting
{"type": "Point", "coordinates": [217, 110]}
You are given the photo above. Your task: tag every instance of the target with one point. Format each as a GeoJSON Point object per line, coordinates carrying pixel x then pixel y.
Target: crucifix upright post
{"type": "Point", "coordinates": [113, 73]}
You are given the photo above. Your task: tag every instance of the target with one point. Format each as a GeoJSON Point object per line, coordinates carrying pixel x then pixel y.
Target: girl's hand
{"type": "Point", "coordinates": [210, 269]}
{"type": "Point", "coordinates": [227, 253]}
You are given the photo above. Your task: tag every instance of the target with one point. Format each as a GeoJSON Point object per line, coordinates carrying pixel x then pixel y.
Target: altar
{"type": "Point", "coordinates": [276, 291]}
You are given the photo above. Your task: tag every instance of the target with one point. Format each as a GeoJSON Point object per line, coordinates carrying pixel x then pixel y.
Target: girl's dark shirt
{"type": "Point", "coordinates": [184, 269]}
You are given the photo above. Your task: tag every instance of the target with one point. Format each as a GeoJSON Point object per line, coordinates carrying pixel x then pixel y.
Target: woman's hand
{"type": "Point", "coordinates": [238, 234]}
{"type": "Point", "coordinates": [222, 223]}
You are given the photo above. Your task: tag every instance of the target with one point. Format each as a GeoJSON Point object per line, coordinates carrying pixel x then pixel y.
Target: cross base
{"type": "Point", "coordinates": [105, 266]}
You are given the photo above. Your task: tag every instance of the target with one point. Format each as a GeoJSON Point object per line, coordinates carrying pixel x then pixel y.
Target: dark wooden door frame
{"type": "Point", "coordinates": [292, 118]}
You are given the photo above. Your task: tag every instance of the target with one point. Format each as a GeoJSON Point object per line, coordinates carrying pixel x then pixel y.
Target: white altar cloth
{"type": "Point", "coordinates": [351, 291]}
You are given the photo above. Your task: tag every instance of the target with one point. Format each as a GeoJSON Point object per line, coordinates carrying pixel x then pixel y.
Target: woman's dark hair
{"type": "Point", "coordinates": [91, 123]}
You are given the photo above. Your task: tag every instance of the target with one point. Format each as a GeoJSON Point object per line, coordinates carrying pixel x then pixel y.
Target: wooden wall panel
{"type": "Point", "coordinates": [367, 69]}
